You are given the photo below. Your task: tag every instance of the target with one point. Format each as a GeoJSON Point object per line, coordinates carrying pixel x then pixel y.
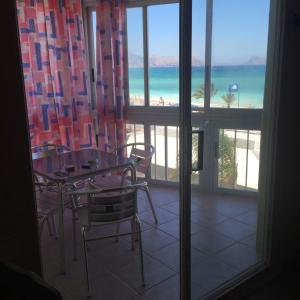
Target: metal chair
{"type": "Point", "coordinates": [46, 150]}
{"type": "Point", "coordinates": [142, 153]}
{"type": "Point", "coordinates": [107, 206]}
{"type": "Point", "coordinates": [46, 213]}
{"type": "Point", "coordinates": [47, 216]}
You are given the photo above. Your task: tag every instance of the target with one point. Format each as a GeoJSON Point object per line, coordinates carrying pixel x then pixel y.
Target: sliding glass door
{"type": "Point", "coordinates": [197, 72]}
{"type": "Point", "coordinates": [227, 102]}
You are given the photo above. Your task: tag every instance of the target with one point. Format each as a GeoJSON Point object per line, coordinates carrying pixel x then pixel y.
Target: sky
{"type": "Point", "coordinates": [240, 30]}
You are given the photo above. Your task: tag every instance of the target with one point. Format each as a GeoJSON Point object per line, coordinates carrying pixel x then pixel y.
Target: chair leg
{"type": "Point", "coordinates": [117, 232]}
{"type": "Point", "coordinates": [54, 226]}
{"type": "Point", "coordinates": [146, 189]}
{"type": "Point", "coordinates": [37, 181]}
{"type": "Point", "coordinates": [133, 230]}
{"type": "Point", "coordinates": [86, 263]}
{"type": "Point", "coordinates": [138, 225]}
{"type": "Point", "coordinates": [41, 227]}
{"type": "Point", "coordinates": [49, 225]}
{"type": "Point", "coordinates": [74, 235]}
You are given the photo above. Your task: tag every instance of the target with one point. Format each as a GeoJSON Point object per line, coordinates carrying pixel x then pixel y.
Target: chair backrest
{"type": "Point", "coordinates": [46, 150]}
{"type": "Point", "coordinates": [143, 154]}
{"type": "Point", "coordinates": [111, 205]}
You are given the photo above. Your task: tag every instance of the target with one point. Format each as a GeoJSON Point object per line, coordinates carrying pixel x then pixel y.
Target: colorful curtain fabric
{"type": "Point", "coordinates": [55, 72]}
{"type": "Point", "coordinates": [112, 68]}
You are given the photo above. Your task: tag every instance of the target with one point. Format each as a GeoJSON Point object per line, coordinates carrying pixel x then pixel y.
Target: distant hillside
{"type": "Point", "coordinates": [255, 60]}
{"type": "Point", "coordinates": [136, 61]}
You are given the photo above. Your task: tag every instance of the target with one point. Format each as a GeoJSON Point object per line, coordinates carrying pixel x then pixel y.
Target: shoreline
{"type": "Point", "coordinates": [137, 100]}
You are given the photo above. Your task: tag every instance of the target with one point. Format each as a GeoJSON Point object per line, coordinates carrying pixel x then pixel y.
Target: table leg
{"type": "Point", "coordinates": [61, 230]}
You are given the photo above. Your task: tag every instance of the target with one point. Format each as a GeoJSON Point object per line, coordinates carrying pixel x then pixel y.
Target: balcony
{"type": "Point", "coordinates": [223, 227]}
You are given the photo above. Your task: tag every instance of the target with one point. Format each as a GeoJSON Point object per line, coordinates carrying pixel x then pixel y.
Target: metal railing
{"type": "Point", "coordinates": [238, 159]}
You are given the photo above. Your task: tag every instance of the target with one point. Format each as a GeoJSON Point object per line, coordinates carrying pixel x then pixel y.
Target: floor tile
{"type": "Point", "coordinates": [168, 289]}
{"type": "Point", "coordinates": [231, 208]}
{"type": "Point", "coordinates": [210, 242]}
{"type": "Point", "coordinates": [235, 229]}
{"type": "Point", "coordinates": [155, 272]}
{"type": "Point", "coordinates": [169, 256]}
{"type": "Point", "coordinates": [154, 239]}
{"type": "Point", "coordinates": [238, 256]}
{"type": "Point", "coordinates": [207, 217]}
{"type": "Point", "coordinates": [249, 218]}
{"type": "Point", "coordinates": [223, 244]}
{"type": "Point", "coordinates": [210, 273]}
{"type": "Point", "coordinates": [172, 228]}
{"type": "Point", "coordinates": [249, 241]}
{"type": "Point", "coordinates": [104, 287]}
{"type": "Point", "coordinates": [163, 216]}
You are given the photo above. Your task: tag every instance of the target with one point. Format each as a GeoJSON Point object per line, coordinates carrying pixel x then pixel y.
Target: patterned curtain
{"type": "Point", "coordinates": [112, 81]}
{"type": "Point", "coordinates": [55, 72]}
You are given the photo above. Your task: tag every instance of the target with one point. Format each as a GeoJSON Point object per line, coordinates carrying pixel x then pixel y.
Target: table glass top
{"type": "Point", "coordinates": [79, 164]}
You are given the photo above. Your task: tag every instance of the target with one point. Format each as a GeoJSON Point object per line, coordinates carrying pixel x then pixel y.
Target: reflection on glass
{"type": "Point", "coordinates": [135, 56]}
{"type": "Point", "coordinates": [163, 32]}
{"type": "Point", "coordinates": [239, 48]}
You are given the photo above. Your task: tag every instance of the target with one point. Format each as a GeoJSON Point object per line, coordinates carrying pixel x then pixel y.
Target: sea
{"type": "Point", "coordinates": [246, 82]}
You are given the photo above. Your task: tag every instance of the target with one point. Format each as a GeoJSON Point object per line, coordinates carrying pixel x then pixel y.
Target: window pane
{"type": "Point", "coordinates": [239, 152]}
{"type": "Point", "coordinates": [135, 134]}
{"type": "Point", "coordinates": [253, 159]}
{"type": "Point", "coordinates": [135, 56]}
{"type": "Point", "coordinates": [158, 171]}
{"type": "Point", "coordinates": [198, 53]}
{"type": "Point", "coordinates": [94, 22]}
{"type": "Point", "coordinates": [163, 34]}
{"type": "Point", "coordinates": [239, 48]}
{"type": "Point", "coordinates": [173, 153]}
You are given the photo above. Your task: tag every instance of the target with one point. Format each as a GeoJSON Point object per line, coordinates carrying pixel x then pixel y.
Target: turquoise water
{"type": "Point", "coordinates": [164, 82]}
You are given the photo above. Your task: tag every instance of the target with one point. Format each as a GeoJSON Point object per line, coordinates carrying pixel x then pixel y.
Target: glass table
{"type": "Point", "coordinates": [82, 164]}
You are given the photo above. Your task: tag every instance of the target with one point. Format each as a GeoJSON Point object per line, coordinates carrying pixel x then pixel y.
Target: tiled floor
{"type": "Point", "coordinates": [223, 244]}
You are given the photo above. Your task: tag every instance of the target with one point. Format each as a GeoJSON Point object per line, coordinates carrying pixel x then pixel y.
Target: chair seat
{"type": "Point", "coordinates": [113, 180]}
{"type": "Point", "coordinates": [110, 181]}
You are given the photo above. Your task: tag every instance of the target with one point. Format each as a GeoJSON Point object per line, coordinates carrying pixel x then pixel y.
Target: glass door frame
{"type": "Point", "coordinates": [268, 116]}
{"type": "Point", "coordinates": [144, 115]}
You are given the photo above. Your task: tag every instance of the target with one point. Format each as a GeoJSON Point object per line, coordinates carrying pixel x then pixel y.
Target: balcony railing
{"type": "Point", "coordinates": [238, 155]}
{"type": "Point", "coordinates": [238, 163]}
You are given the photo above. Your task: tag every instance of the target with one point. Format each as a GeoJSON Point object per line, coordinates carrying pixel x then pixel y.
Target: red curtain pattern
{"type": "Point", "coordinates": [112, 79]}
{"type": "Point", "coordinates": [55, 72]}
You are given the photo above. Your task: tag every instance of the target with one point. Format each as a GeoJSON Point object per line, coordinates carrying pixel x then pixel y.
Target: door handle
{"type": "Point", "coordinates": [198, 166]}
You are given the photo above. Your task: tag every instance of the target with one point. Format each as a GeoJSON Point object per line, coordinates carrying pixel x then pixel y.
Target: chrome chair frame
{"type": "Point", "coordinates": [46, 215]}
{"type": "Point", "coordinates": [108, 206]}
{"type": "Point", "coordinates": [46, 150]}
{"type": "Point", "coordinates": [140, 157]}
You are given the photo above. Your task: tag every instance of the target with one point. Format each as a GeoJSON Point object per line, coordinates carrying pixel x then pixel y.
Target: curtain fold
{"type": "Point", "coordinates": [55, 72]}
{"type": "Point", "coordinates": [112, 72]}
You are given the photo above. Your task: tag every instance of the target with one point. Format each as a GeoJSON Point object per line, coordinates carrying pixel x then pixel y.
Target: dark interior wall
{"type": "Point", "coordinates": [286, 210]}
{"type": "Point", "coordinates": [18, 226]}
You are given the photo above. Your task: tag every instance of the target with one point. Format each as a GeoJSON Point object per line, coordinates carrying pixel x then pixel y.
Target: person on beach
{"type": "Point", "coordinates": [161, 101]}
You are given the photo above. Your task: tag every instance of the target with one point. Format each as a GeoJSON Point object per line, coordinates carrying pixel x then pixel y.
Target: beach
{"type": "Point", "coordinates": [164, 86]}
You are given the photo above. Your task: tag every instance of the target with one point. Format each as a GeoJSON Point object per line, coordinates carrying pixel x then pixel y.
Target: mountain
{"type": "Point", "coordinates": [135, 61]}
{"type": "Point", "coordinates": [155, 61]}
{"type": "Point", "coordinates": [255, 60]}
